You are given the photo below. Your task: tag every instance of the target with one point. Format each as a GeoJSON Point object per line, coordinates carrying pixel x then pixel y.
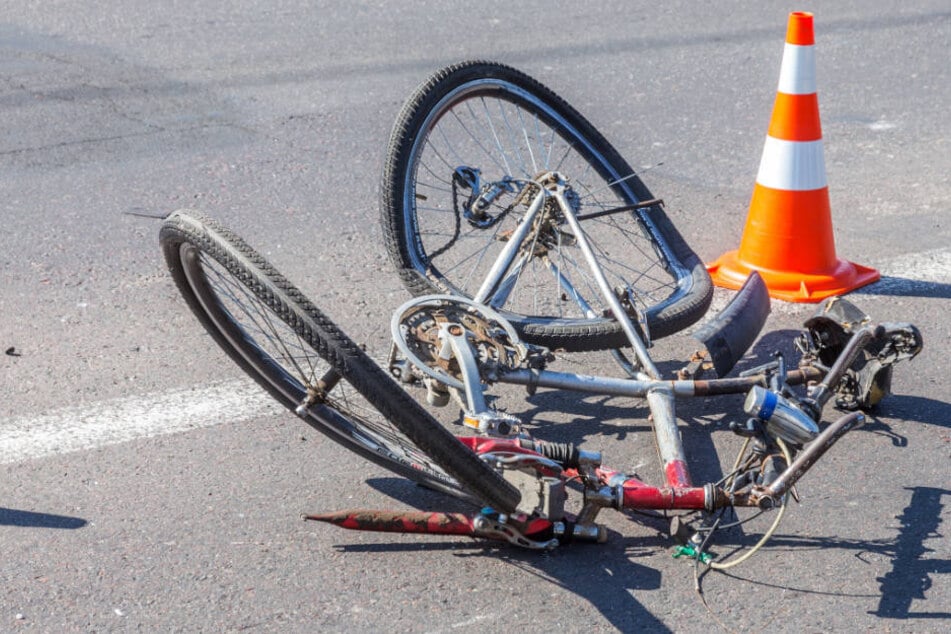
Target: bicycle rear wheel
{"type": "Point", "coordinates": [304, 361]}
{"type": "Point", "coordinates": [463, 151]}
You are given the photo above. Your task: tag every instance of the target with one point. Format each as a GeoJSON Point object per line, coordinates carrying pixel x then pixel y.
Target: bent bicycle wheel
{"type": "Point", "coordinates": [462, 156]}
{"type": "Point", "coordinates": [305, 362]}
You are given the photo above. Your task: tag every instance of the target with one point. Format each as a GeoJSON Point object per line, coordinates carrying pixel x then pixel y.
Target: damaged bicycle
{"type": "Point", "coordinates": [524, 236]}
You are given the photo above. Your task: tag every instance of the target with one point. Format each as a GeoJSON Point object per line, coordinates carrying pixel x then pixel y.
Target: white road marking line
{"type": "Point", "coordinates": [476, 619]}
{"type": "Point", "coordinates": [479, 618]}
{"type": "Point", "coordinates": [120, 420]}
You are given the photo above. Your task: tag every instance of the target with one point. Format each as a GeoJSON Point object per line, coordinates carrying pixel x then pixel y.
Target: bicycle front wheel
{"type": "Point", "coordinates": [462, 156]}
{"type": "Point", "coordinates": [304, 361]}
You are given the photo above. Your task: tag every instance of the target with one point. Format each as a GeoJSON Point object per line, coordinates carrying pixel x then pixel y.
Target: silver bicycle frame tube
{"type": "Point", "coordinates": [640, 350]}
{"type": "Point", "coordinates": [505, 285]}
{"type": "Point", "coordinates": [660, 394]}
{"type": "Point", "coordinates": [660, 397]}
{"type": "Point", "coordinates": [504, 262]}
{"type": "Point", "coordinates": [636, 388]}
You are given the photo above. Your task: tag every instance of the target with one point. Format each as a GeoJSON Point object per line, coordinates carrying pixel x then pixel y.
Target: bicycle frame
{"type": "Point", "coordinates": [464, 344]}
{"type": "Point", "coordinates": [529, 464]}
{"type": "Point", "coordinates": [660, 394]}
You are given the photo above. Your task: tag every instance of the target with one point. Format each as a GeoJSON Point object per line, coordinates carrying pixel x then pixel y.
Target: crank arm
{"type": "Point", "coordinates": [455, 344]}
{"type": "Point", "coordinates": [477, 414]}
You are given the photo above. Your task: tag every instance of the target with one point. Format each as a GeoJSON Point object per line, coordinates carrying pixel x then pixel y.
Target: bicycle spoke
{"type": "Point", "coordinates": [269, 330]}
{"type": "Point", "coordinates": [495, 136]}
{"type": "Point", "coordinates": [287, 348]}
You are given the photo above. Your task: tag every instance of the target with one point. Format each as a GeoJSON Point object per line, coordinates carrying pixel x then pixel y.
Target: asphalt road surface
{"type": "Point", "coordinates": [145, 485]}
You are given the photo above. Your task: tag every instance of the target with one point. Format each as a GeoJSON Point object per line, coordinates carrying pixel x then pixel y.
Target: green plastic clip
{"type": "Point", "coordinates": [693, 553]}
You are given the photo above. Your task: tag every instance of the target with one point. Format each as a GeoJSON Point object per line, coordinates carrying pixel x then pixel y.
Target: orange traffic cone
{"type": "Point", "coordinates": [788, 235]}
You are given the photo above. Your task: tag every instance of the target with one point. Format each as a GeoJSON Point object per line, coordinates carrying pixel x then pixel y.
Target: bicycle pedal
{"type": "Point", "coordinates": [493, 423]}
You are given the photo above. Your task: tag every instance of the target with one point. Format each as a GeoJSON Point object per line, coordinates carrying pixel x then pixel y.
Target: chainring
{"type": "Point", "coordinates": [416, 326]}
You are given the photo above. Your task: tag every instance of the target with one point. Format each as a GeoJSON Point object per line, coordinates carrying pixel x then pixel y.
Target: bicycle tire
{"type": "Point", "coordinates": [280, 339]}
{"type": "Point", "coordinates": [672, 282]}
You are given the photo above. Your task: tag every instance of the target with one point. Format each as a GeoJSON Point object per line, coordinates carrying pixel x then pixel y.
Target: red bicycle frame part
{"type": "Point", "coordinates": [611, 489]}
{"type": "Point", "coordinates": [678, 494]}
{"type": "Point", "coordinates": [399, 522]}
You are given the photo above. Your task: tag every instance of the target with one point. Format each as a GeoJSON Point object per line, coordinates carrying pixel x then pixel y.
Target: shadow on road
{"type": "Point", "coordinates": [904, 287]}
{"type": "Point", "coordinates": [918, 409]}
{"type": "Point", "coordinates": [605, 577]}
{"type": "Point", "coordinates": [912, 570]}
{"type": "Point", "coordinates": [911, 573]}
{"type": "Point", "coordinates": [607, 580]}
{"type": "Point", "coordinates": [29, 519]}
